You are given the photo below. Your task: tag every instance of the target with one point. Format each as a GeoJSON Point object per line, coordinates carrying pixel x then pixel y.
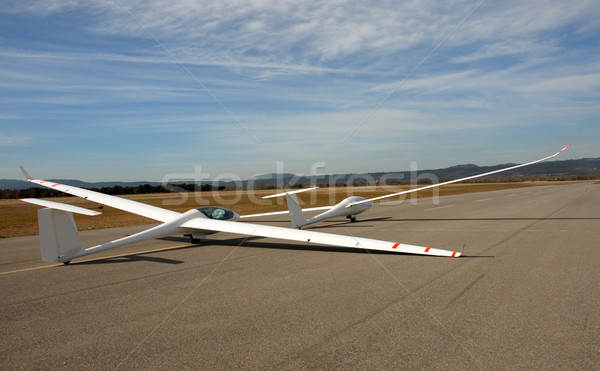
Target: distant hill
{"type": "Point", "coordinates": [544, 170]}
{"type": "Point", "coordinates": [585, 166]}
{"type": "Point", "coordinates": [549, 169]}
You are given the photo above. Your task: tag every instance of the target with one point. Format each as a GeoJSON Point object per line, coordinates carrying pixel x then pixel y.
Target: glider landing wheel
{"type": "Point", "coordinates": [193, 240]}
{"type": "Point", "coordinates": [352, 218]}
{"type": "Point", "coordinates": [67, 262]}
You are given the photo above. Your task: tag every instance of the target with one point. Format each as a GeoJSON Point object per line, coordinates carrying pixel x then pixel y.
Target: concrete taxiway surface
{"type": "Point", "coordinates": [525, 295]}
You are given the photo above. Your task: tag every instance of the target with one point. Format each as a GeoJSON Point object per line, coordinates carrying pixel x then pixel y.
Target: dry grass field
{"type": "Point", "coordinates": [18, 218]}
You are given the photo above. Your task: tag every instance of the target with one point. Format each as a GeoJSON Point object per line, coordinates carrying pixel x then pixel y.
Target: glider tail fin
{"type": "Point", "coordinates": [59, 239]}
{"type": "Point", "coordinates": [296, 216]}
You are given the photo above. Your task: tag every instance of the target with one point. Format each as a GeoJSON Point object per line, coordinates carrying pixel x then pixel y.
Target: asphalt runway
{"type": "Point", "coordinates": [525, 295]}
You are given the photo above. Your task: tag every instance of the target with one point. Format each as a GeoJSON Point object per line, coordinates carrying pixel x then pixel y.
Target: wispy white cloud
{"type": "Point", "coordinates": [9, 140]}
{"type": "Point", "coordinates": [513, 48]}
{"type": "Point", "coordinates": [574, 83]}
{"type": "Point", "coordinates": [190, 60]}
{"type": "Point", "coordinates": [271, 33]}
{"type": "Point", "coordinates": [274, 38]}
{"type": "Point", "coordinates": [517, 20]}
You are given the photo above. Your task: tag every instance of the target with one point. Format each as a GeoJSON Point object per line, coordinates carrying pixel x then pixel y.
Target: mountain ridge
{"type": "Point", "coordinates": [584, 166]}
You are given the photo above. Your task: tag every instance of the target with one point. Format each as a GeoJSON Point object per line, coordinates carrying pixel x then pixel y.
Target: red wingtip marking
{"type": "Point", "coordinates": [427, 249]}
{"type": "Point", "coordinates": [453, 254]}
{"type": "Point", "coordinates": [396, 245]}
{"type": "Point", "coordinates": [54, 185]}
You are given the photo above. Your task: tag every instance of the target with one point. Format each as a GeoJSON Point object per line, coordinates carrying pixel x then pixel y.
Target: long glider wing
{"type": "Point", "coordinates": [131, 206]}
{"type": "Point", "coordinates": [456, 180]}
{"type": "Point", "coordinates": [250, 229]}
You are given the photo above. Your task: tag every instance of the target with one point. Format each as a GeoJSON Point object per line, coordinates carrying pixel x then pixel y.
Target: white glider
{"type": "Point", "coordinates": [60, 241]}
{"type": "Point", "coordinates": [352, 206]}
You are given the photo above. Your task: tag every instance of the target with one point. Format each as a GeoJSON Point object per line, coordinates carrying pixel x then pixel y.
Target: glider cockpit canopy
{"type": "Point", "coordinates": [218, 213]}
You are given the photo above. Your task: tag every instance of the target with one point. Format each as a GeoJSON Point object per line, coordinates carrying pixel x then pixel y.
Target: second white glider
{"type": "Point", "coordinates": [352, 206]}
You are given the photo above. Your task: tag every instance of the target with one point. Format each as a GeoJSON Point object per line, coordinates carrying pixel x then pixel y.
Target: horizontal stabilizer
{"type": "Point", "coordinates": [59, 206]}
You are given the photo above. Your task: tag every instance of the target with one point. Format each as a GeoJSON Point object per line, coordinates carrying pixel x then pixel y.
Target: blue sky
{"type": "Point", "coordinates": [137, 90]}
